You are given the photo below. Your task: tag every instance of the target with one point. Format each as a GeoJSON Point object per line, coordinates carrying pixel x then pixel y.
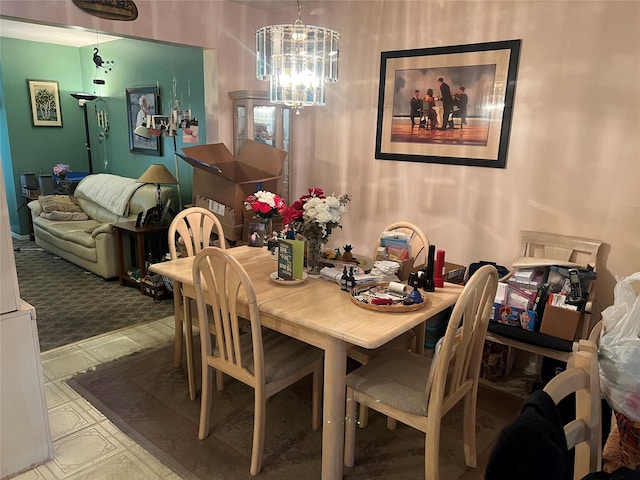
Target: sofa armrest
{"type": "Point", "coordinates": [36, 208]}
{"type": "Point", "coordinates": [104, 228]}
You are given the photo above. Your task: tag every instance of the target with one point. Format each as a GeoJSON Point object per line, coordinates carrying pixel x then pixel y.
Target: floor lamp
{"type": "Point", "coordinates": [83, 98]}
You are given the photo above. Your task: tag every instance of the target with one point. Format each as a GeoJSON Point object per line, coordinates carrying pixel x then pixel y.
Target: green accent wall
{"type": "Point", "coordinates": [136, 63]}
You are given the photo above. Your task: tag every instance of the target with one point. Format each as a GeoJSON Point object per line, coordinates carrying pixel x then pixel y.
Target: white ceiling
{"type": "Point", "coordinates": [72, 37]}
{"type": "Point", "coordinates": [78, 37]}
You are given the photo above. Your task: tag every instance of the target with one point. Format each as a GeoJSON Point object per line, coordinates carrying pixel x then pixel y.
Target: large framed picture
{"type": "Point", "coordinates": [45, 103]}
{"type": "Point", "coordinates": [142, 105]}
{"type": "Point", "coordinates": [449, 105]}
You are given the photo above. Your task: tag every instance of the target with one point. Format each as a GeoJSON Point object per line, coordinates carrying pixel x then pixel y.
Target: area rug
{"type": "Point", "coordinates": [73, 304]}
{"type": "Point", "coordinates": [147, 398]}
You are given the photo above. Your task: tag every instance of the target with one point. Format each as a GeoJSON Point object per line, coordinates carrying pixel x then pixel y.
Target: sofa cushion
{"type": "Point", "coordinates": [58, 203]}
{"type": "Point", "coordinates": [73, 231]}
{"type": "Point", "coordinates": [68, 216]}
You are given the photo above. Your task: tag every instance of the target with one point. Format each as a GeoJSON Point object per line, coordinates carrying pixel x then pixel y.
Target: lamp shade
{"type": "Point", "coordinates": [157, 173]}
{"type": "Point", "coordinates": [142, 131]}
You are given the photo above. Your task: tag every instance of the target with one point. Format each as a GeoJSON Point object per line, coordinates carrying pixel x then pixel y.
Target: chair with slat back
{"type": "Point", "coordinates": [261, 358]}
{"type": "Point", "coordinates": [419, 391]}
{"type": "Point", "coordinates": [419, 245]}
{"type": "Point", "coordinates": [190, 231]}
{"type": "Point", "coordinates": [539, 249]}
{"type": "Point", "coordinates": [541, 425]}
{"type": "Point", "coordinates": [582, 377]}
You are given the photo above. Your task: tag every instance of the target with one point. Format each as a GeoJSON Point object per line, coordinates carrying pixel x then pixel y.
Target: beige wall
{"type": "Point", "coordinates": [573, 165]}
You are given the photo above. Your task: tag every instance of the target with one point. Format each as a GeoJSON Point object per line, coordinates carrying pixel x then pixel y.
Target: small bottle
{"type": "Point", "coordinates": [344, 280]}
{"type": "Point", "coordinates": [351, 281]}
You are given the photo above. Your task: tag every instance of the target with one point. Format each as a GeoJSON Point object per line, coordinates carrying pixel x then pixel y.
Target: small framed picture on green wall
{"type": "Point", "coordinates": [45, 103]}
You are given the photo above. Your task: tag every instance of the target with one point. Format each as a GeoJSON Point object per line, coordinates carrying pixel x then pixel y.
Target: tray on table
{"type": "Point", "coordinates": [396, 307]}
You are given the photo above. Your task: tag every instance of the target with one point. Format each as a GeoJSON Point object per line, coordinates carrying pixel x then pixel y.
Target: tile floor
{"type": "Point", "coordinates": [86, 445]}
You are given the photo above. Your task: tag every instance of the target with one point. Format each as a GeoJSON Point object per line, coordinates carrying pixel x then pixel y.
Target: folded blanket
{"type": "Point", "coordinates": [110, 191]}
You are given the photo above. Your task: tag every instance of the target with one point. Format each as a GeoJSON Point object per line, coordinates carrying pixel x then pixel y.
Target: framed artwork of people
{"type": "Point", "coordinates": [467, 112]}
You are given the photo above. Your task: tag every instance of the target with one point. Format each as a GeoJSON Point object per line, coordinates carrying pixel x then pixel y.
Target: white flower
{"type": "Point", "coordinates": [266, 197]}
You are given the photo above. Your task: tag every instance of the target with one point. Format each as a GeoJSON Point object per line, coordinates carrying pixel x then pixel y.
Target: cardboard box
{"type": "Point", "coordinates": [560, 322]}
{"type": "Point", "coordinates": [226, 216]}
{"type": "Point", "coordinates": [516, 317]}
{"type": "Point", "coordinates": [229, 180]}
{"type": "Point", "coordinates": [406, 267]}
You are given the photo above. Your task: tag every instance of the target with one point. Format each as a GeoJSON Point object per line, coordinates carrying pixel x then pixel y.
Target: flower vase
{"type": "Point", "coordinates": [268, 227]}
{"type": "Point", "coordinates": [313, 256]}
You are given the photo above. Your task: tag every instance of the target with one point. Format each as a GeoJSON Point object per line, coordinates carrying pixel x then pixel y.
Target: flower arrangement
{"type": "Point", "coordinates": [314, 215]}
{"type": "Point", "coordinates": [61, 170]}
{"type": "Point", "coordinates": [265, 205]}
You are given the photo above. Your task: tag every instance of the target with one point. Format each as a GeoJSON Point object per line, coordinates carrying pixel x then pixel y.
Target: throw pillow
{"type": "Point", "coordinates": [66, 216]}
{"type": "Point", "coordinates": [58, 203]}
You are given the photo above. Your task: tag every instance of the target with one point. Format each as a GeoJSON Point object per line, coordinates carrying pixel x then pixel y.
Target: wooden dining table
{"type": "Point", "coordinates": [318, 313]}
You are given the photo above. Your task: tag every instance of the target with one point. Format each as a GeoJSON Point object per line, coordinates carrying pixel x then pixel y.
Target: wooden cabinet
{"type": "Point", "coordinates": [256, 118]}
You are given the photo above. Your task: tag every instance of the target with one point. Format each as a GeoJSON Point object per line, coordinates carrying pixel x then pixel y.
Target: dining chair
{"type": "Point", "coordinates": [190, 231]}
{"type": "Point", "coordinates": [419, 391]}
{"type": "Point", "coordinates": [540, 424]}
{"type": "Point", "coordinates": [419, 244]}
{"type": "Point", "coordinates": [544, 248]}
{"type": "Point", "coordinates": [261, 358]}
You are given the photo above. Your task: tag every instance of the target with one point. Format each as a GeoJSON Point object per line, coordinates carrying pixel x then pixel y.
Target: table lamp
{"type": "Point", "coordinates": [158, 174]}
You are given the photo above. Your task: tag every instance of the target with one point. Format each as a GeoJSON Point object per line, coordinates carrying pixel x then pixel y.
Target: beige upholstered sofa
{"type": "Point", "coordinates": [91, 243]}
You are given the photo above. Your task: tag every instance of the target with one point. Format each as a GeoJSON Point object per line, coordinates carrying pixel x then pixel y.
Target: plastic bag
{"type": "Point", "coordinates": [619, 350]}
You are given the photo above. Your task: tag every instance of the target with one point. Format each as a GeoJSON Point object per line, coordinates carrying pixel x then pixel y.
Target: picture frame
{"type": "Point", "coordinates": [44, 96]}
{"type": "Point", "coordinates": [481, 120]}
{"type": "Point", "coordinates": [137, 117]}
{"type": "Point", "coordinates": [257, 234]}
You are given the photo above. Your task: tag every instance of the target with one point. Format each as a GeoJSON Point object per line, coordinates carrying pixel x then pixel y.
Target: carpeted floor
{"type": "Point", "coordinates": [147, 398]}
{"type": "Point", "coordinates": [73, 304]}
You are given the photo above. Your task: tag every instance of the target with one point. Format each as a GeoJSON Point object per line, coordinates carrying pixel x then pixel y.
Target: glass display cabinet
{"type": "Point", "coordinates": [256, 118]}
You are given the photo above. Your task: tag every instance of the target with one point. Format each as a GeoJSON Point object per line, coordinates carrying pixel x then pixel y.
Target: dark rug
{"type": "Point", "coordinates": [73, 304]}
{"type": "Point", "coordinates": [147, 398]}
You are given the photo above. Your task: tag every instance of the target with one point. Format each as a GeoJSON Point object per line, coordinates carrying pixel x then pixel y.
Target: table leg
{"type": "Point", "coordinates": [141, 257]}
{"type": "Point", "coordinates": [335, 367]}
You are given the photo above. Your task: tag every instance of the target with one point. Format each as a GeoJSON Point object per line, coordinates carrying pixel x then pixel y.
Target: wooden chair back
{"type": "Point", "coordinates": [553, 248]}
{"type": "Point", "coordinates": [189, 232]}
{"type": "Point", "coordinates": [565, 248]}
{"type": "Point", "coordinates": [194, 226]}
{"type": "Point", "coordinates": [457, 367]}
{"type": "Point", "coordinates": [419, 241]}
{"type": "Point", "coordinates": [226, 280]}
{"type": "Point", "coordinates": [584, 433]}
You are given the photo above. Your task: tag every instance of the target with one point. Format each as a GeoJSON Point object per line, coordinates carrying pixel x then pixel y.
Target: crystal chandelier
{"type": "Point", "coordinates": [297, 60]}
